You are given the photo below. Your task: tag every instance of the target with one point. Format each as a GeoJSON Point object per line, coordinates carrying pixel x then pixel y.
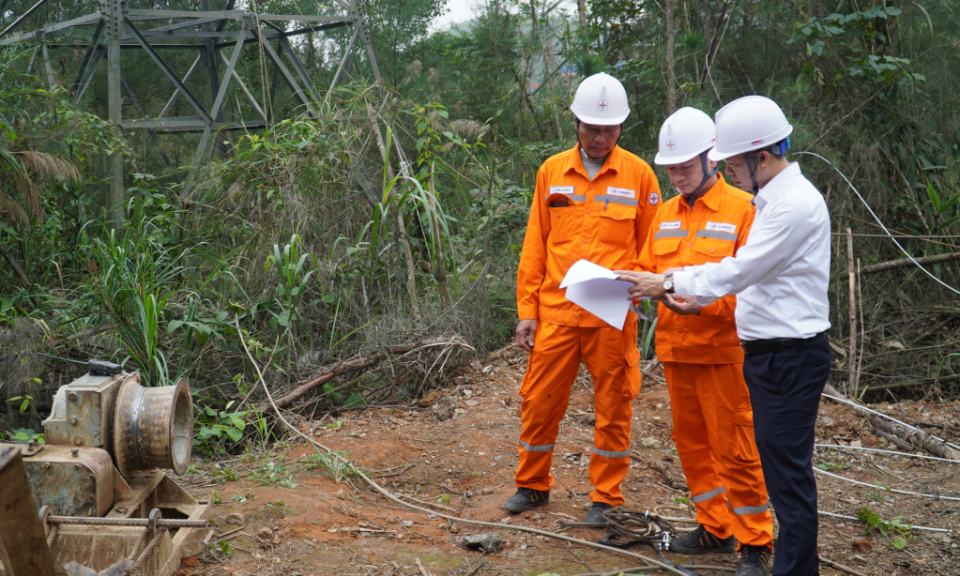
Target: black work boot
{"type": "Point", "coordinates": [753, 561]}
{"type": "Point", "coordinates": [525, 499]}
{"type": "Point", "coordinates": [596, 512]}
{"type": "Point", "coordinates": [702, 542]}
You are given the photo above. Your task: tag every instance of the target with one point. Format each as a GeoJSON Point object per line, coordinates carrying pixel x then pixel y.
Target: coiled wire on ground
{"type": "Point", "coordinates": [638, 526]}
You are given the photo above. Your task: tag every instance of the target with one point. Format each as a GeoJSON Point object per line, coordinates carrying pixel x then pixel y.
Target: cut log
{"type": "Point", "coordinates": [910, 438]}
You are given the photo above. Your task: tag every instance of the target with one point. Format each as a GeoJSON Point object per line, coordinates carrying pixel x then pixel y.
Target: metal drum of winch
{"type": "Point", "coordinates": [153, 427]}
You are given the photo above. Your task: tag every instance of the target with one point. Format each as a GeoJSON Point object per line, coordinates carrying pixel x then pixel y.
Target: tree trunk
{"type": "Point", "coordinates": [582, 11]}
{"type": "Point", "coordinates": [671, 64]}
{"type": "Point", "coordinates": [714, 43]}
{"type": "Point", "coordinates": [546, 69]}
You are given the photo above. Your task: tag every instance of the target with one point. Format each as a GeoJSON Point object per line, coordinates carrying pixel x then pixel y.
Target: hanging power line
{"type": "Point", "coordinates": [888, 233]}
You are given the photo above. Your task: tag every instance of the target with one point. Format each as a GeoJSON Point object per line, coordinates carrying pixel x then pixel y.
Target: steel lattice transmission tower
{"type": "Point", "coordinates": [121, 26]}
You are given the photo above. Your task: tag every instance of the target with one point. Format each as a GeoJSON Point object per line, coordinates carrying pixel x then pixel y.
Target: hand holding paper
{"type": "Point", "coordinates": [598, 291]}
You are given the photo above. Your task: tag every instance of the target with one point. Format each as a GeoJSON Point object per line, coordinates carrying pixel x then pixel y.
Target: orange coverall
{"type": "Point", "coordinates": [605, 221]}
{"type": "Point", "coordinates": [703, 365]}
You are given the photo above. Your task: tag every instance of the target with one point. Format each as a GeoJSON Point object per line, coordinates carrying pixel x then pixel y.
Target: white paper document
{"type": "Point", "coordinates": [597, 290]}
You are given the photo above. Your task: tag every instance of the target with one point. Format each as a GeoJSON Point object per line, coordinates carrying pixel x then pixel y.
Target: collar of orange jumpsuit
{"type": "Point", "coordinates": [716, 226]}
{"type": "Point", "coordinates": [604, 220]}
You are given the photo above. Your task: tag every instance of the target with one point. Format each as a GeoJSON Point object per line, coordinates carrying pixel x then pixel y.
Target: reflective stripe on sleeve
{"type": "Point", "coordinates": [610, 454]}
{"type": "Point", "coordinates": [615, 200]}
{"type": "Point", "coordinates": [708, 495]}
{"type": "Point", "coordinates": [671, 234]}
{"type": "Point", "coordinates": [717, 235]}
{"type": "Point", "coordinates": [531, 448]}
{"type": "Point", "coordinates": [747, 509]}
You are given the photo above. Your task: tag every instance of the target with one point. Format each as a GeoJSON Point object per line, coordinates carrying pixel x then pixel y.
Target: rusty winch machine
{"type": "Point", "coordinates": [96, 492]}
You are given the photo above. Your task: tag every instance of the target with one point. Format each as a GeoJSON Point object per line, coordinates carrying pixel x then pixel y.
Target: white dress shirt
{"type": "Point", "coordinates": [782, 273]}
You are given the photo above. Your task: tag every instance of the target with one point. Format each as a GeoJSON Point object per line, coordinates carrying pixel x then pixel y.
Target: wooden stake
{"type": "Point", "coordinates": [863, 329]}
{"type": "Point", "coordinates": [852, 281]}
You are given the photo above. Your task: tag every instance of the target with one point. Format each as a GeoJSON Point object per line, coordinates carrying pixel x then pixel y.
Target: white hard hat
{"type": "Point", "coordinates": [686, 134]}
{"type": "Point", "coordinates": [749, 123]}
{"type": "Point", "coordinates": [601, 100]}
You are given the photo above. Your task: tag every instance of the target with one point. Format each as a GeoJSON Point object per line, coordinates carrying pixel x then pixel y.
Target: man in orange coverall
{"type": "Point", "coordinates": [701, 353]}
{"type": "Point", "coordinates": [593, 202]}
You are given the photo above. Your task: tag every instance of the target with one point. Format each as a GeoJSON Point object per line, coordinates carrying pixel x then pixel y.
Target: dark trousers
{"type": "Point", "coordinates": [785, 389]}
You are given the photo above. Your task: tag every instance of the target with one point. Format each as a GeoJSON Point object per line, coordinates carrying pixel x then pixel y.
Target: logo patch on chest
{"type": "Point", "coordinates": [721, 227]}
{"type": "Point", "coordinates": [621, 192]}
{"type": "Point", "coordinates": [671, 225]}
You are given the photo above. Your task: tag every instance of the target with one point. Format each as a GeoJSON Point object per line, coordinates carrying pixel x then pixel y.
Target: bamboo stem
{"type": "Point", "coordinates": [439, 271]}
{"type": "Point", "coordinates": [401, 227]}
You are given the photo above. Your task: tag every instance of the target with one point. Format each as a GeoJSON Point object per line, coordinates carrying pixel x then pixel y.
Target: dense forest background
{"type": "Point", "coordinates": [396, 217]}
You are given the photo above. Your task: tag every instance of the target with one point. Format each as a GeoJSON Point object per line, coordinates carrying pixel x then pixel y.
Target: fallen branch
{"type": "Point", "coordinates": [901, 262]}
{"type": "Point", "coordinates": [914, 437]}
{"type": "Point", "coordinates": [840, 567]}
{"type": "Point", "coordinates": [16, 268]}
{"type": "Point", "coordinates": [671, 478]}
{"type": "Point", "coordinates": [357, 363]}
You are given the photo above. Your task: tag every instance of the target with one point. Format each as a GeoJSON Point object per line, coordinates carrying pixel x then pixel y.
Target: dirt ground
{"type": "Point", "coordinates": [278, 515]}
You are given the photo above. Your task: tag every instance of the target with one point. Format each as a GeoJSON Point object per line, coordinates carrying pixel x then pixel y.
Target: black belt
{"type": "Point", "coordinates": [777, 344]}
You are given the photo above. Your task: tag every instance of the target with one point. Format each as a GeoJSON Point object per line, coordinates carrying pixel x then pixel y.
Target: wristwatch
{"type": "Point", "coordinates": [668, 283]}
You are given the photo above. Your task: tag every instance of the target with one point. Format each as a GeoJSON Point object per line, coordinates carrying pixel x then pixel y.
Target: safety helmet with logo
{"type": "Point", "coordinates": [686, 134]}
{"type": "Point", "coordinates": [751, 124]}
{"type": "Point", "coordinates": [601, 100]}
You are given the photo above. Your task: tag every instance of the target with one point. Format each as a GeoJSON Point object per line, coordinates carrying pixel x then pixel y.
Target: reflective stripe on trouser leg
{"type": "Point", "coordinates": [611, 356]}
{"type": "Point", "coordinates": [714, 436]}
{"type": "Point", "coordinates": [697, 498]}
{"type": "Point", "coordinates": [741, 510]}
{"type": "Point", "coordinates": [551, 370]}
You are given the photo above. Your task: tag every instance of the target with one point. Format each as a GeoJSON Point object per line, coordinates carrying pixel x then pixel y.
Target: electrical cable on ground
{"type": "Point", "coordinates": [894, 452]}
{"type": "Point", "coordinates": [875, 217]}
{"type": "Point", "coordinates": [894, 490]}
{"type": "Point", "coordinates": [887, 416]}
{"type": "Point", "coordinates": [912, 527]}
{"type": "Point", "coordinates": [688, 566]}
{"type": "Point", "coordinates": [651, 563]}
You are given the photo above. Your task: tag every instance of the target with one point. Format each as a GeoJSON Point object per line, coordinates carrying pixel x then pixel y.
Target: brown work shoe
{"type": "Point", "coordinates": [702, 542]}
{"type": "Point", "coordinates": [753, 561]}
{"type": "Point", "coordinates": [596, 512]}
{"type": "Point", "coordinates": [525, 499]}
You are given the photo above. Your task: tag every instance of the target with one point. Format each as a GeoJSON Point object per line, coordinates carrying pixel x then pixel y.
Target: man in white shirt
{"type": "Point", "coordinates": [780, 277]}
